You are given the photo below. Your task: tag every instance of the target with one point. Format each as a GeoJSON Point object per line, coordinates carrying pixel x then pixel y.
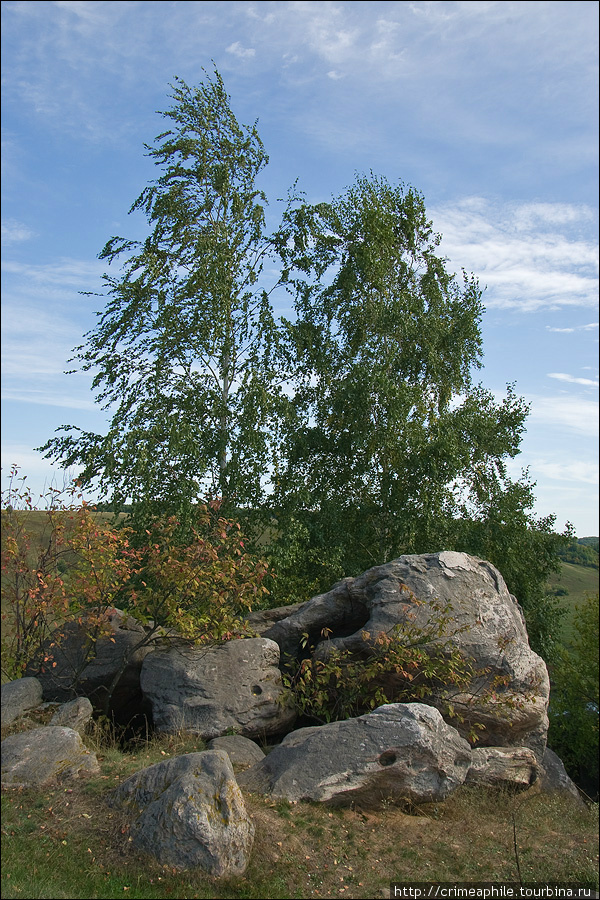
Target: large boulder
{"type": "Point", "coordinates": [189, 812]}
{"type": "Point", "coordinates": [398, 751]}
{"type": "Point", "coordinates": [487, 626]}
{"type": "Point", "coordinates": [554, 778]}
{"type": "Point", "coordinates": [76, 668]}
{"type": "Point", "coordinates": [74, 714]}
{"type": "Point", "coordinates": [18, 696]}
{"type": "Point", "coordinates": [236, 687]}
{"type": "Point", "coordinates": [506, 767]}
{"type": "Point", "coordinates": [241, 751]}
{"type": "Point", "coordinates": [41, 755]}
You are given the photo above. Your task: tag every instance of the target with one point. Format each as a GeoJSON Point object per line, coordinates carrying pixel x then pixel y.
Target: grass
{"type": "Point", "coordinates": [64, 841]}
{"type": "Point", "coordinates": [579, 582]}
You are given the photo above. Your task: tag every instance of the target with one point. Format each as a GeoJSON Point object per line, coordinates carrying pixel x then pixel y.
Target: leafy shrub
{"type": "Point", "coordinates": [65, 564]}
{"type": "Point", "coordinates": [410, 663]}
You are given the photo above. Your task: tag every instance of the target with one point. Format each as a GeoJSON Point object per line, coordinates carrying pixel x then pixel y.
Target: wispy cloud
{"type": "Point", "coordinates": [565, 414]}
{"type": "Point", "coordinates": [527, 262]}
{"type": "Point", "coordinates": [236, 49]}
{"type": "Point", "coordinates": [14, 232]}
{"type": "Point", "coordinates": [591, 327]}
{"type": "Point", "coordinates": [570, 470]}
{"type": "Point", "coordinates": [572, 379]}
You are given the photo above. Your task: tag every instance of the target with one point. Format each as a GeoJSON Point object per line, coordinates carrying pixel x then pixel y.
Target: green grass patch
{"type": "Point", "coordinates": [66, 842]}
{"type": "Point", "coordinates": [579, 582]}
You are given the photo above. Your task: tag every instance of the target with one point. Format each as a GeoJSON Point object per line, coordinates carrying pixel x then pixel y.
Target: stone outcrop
{"type": "Point", "coordinates": [241, 751]}
{"type": "Point", "coordinates": [80, 673]}
{"type": "Point", "coordinates": [18, 696]}
{"type": "Point", "coordinates": [74, 714]}
{"type": "Point", "coordinates": [487, 626]}
{"type": "Point", "coordinates": [554, 778]}
{"type": "Point", "coordinates": [44, 754]}
{"type": "Point", "coordinates": [510, 767]}
{"type": "Point", "coordinates": [399, 751]}
{"type": "Point", "coordinates": [235, 687]}
{"type": "Point", "coordinates": [188, 812]}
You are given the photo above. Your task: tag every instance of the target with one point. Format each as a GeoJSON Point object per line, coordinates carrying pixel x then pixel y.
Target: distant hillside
{"type": "Point", "coordinates": [572, 586]}
{"type": "Point", "coordinates": [581, 552]}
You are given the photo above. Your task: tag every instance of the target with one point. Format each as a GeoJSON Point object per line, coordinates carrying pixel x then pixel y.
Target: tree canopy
{"type": "Point", "coordinates": [355, 428]}
{"type": "Point", "coordinates": [183, 352]}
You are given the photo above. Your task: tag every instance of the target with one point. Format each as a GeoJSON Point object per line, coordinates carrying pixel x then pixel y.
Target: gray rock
{"type": "Point", "coordinates": [515, 767]}
{"type": "Point", "coordinates": [39, 756]}
{"type": "Point", "coordinates": [79, 672]}
{"type": "Point", "coordinates": [75, 714]}
{"type": "Point", "coordinates": [399, 751]}
{"type": "Point", "coordinates": [487, 626]}
{"type": "Point", "coordinates": [261, 619]}
{"type": "Point", "coordinates": [188, 812]}
{"type": "Point", "coordinates": [241, 751]}
{"type": "Point", "coordinates": [18, 696]}
{"type": "Point", "coordinates": [554, 778]}
{"type": "Point", "coordinates": [235, 687]}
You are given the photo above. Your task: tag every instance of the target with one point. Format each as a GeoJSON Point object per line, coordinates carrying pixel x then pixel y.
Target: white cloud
{"type": "Point", "coordinates": [572, 379]}
{"type": "Point", "coordinates": [526, 262]}
{"type": "Point", "coordinates": [48, 397]}
{"type": "Point", "coordinates": [572, 414]}
{"type": "Point", "coordinates": [15, 232]}
{"type": "Point", "coordinates": [590, 327]}
{"type": "Point", "coordinates": [570, 470]}
{"type": "Point", "coordinates": [236, 49]}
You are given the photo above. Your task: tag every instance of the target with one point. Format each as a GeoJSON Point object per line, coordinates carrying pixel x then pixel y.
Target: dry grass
{"type": "Point", "coordinates": [65, 841]}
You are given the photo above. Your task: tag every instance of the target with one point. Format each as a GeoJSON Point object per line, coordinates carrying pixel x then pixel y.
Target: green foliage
{"type": "Point", "coordinates": [185, 352]}
{"type": "Point", "coordinates": [83, 567]}
{"type": "Point", "coordinates": [357, 425]}
{"type": "Point", "coordinates": [574, 700]}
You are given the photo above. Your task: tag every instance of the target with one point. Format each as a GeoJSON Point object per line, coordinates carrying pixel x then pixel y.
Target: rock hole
{"type": "Point", "coordinates": [387, 758]}
{"type": "Point", "coordinates": [256, 690]}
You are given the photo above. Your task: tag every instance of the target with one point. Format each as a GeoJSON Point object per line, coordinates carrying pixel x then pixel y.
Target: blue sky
{"type": "Point", "coordinates": [488, 108]}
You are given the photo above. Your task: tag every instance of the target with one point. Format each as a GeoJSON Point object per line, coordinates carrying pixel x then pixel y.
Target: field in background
{"type": "Point", "coordinates": [580, 582]}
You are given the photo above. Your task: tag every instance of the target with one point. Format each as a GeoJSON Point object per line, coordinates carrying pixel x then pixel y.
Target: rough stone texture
{"type": "Point", "coordinates": [62, 683]}
{"type": "Point", "coordinates": [188, 812]}
{"type": "Point", "coordinates": [554, 778]}
{"type": "Point", "coordinates": [402, 590]}
{"type": "Point", "coordinates": [75, 714]}
{"type": "Point", "coordinates": [234, 687]}
{"type": "Point", "coordinates": [39, 756]}
{"type": "Point", "coordinates": [261, 619]}
{"type": "Point", "coordinates": [241, 751]}
{"type": "Point", "coordinates": [18, 696]}
{"type": "Point", "coordinates": [399, 751]}
{"type": "Point", "coordinates": [515, 767]}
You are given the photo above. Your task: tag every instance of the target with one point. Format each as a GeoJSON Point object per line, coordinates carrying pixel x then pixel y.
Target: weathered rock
{"type": "Point", "coordinates": [554, 778]}
{"type": "Point", "coordinates": [515, 767]}
{"type": "Point", "coordinates": [18, 696]}
{"type": "Point", "coordinates": [487, 626]}
{"type": "Point", "coordinates": [80, 673]}
{"type": "Point", "coordinates": [41, 755]}
{"type": "Point", "coordinates": [74, 714]}
{"type": "Point", "coordinates": [261, 619]}
{"type": "Point", "coordinates": [399, 751]}
{"type": "Point", "coordinates": [188, 812]}
{"type": "Point", "coordinates": [234, 687]}
{"type": "Point", "coordinates": [241, 751]}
